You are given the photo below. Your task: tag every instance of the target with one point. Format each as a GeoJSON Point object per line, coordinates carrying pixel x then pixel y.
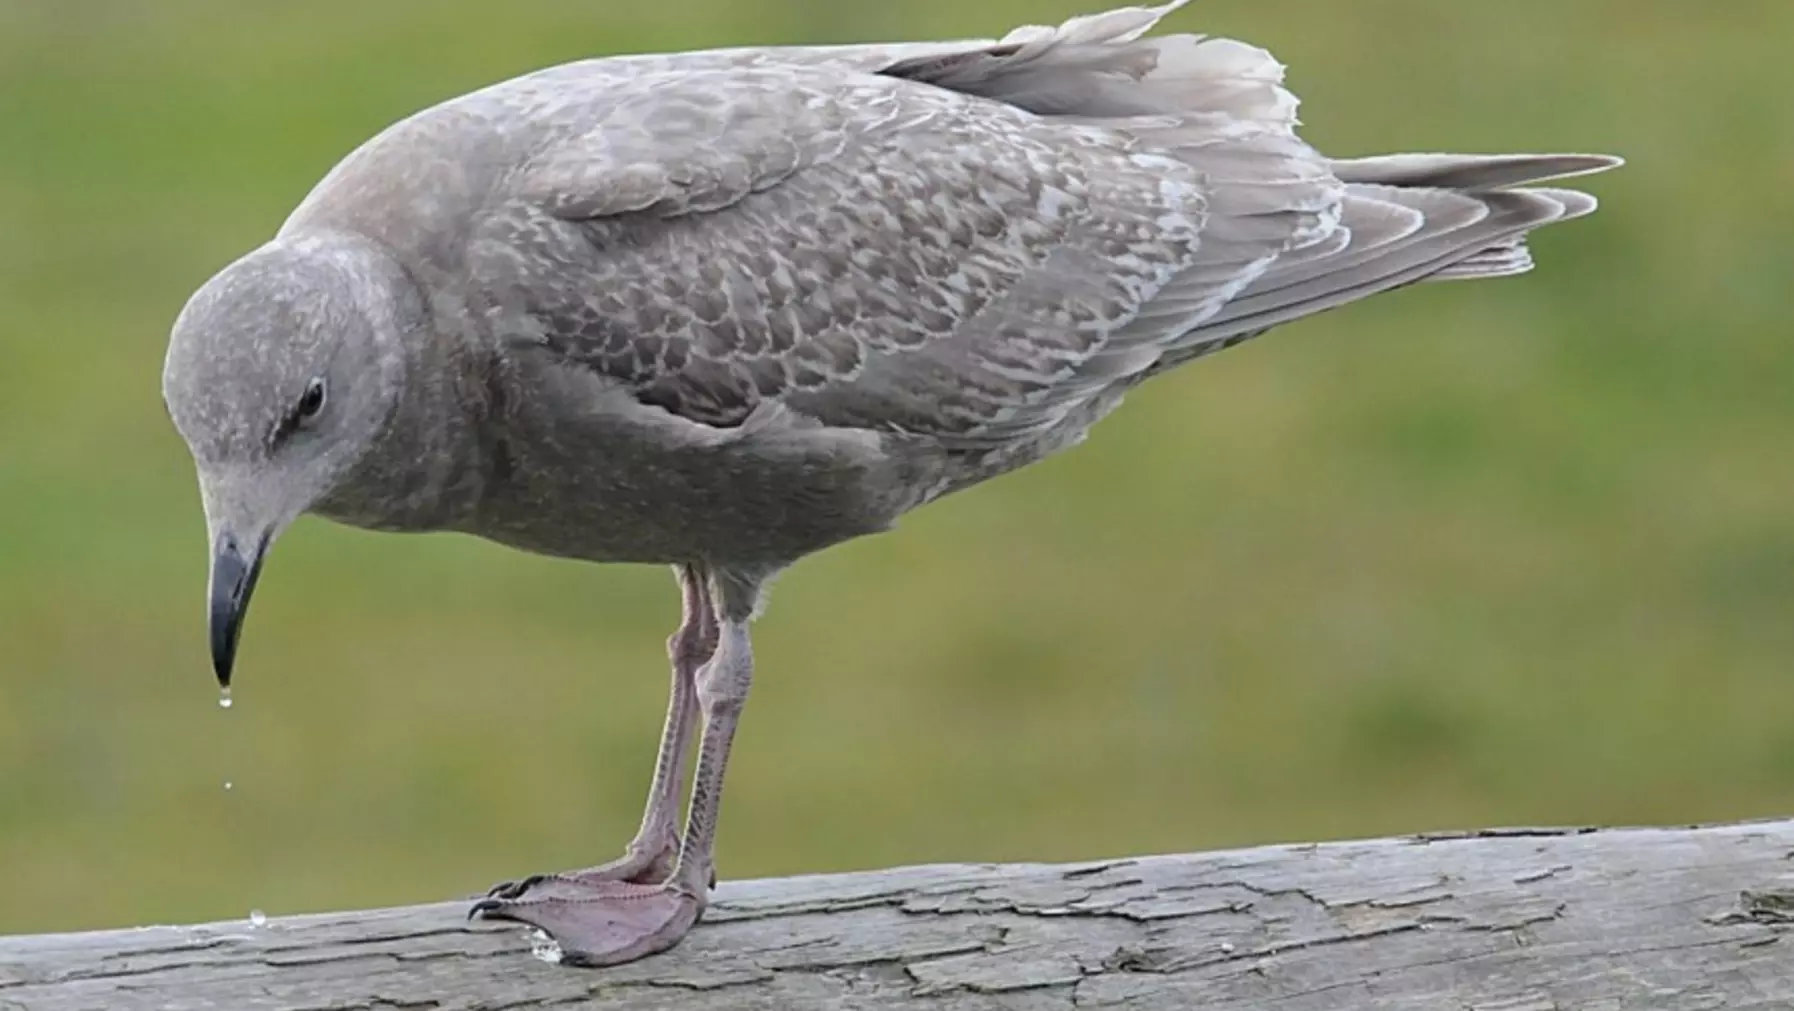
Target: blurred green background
{"type": "Point", "coordinates": [1510, 552]}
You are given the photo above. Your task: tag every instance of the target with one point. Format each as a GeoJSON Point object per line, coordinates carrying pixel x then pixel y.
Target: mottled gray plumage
{"type": "Point", "coordinates": [723, 309]}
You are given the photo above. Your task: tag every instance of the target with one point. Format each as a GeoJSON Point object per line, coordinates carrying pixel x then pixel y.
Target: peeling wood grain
{"type": "Point", "coordinates": [1502, 920]}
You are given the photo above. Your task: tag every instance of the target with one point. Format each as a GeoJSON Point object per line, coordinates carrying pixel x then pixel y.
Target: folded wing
{"type": "Point", "coordinates": [970, 245]}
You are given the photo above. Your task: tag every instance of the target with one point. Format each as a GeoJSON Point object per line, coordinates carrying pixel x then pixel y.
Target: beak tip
{"type": "Point", "coordinates": [233, 580]}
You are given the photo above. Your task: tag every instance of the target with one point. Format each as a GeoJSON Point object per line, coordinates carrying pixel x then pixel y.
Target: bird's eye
{"type": "Point", "coordinates": [312, 401]}
{"type": "Point", "coordinates": [302, 414]}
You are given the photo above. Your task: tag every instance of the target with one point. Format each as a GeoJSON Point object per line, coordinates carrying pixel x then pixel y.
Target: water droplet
{"type": "Point", "coordinates": [257, 918]}
{"type": "Point", "coordinates": [544, 947]}
{"type": "Point", "coordinates": [224, 698]}
{"type": "Point", "coordinates": [228, 784]}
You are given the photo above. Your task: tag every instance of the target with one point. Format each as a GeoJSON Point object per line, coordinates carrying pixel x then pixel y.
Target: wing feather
{"type": "Point", "coordinates": [966, 246]}
{"type": "Point", "coordinates": [925, 262]}
{"type": "Point", "coordinates": [971, 243]}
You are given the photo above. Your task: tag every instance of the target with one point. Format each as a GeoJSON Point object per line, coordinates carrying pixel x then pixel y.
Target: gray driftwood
{"type": "Point", "coordinates": [1516, 920]}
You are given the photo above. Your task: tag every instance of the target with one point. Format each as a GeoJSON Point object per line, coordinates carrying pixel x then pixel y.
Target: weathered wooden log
{"type": "Point", "coordinates": [1512, 920]}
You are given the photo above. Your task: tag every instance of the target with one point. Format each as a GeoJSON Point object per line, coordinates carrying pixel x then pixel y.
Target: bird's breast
{"type": "Point", "coordinates": [626, 487]}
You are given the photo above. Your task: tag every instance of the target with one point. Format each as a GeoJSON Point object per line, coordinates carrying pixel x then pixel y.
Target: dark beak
{"type": "Point", "coordinates": [233, 580]}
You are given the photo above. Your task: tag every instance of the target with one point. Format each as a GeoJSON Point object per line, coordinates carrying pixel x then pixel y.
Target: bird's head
{"type": "Point", "coordinates": [282, 372]}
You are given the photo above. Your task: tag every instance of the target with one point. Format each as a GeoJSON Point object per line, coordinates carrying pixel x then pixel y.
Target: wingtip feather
{"type": "Point", "coordinates": [1471, 171]}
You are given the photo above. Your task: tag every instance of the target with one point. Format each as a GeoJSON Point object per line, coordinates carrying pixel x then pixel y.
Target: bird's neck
{"type": "Point", "coordinates": [426, 469]}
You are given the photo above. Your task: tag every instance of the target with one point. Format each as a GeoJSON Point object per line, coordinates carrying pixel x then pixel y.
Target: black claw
{"type": "Point", "coordinates": [515, 889]}
{"type": "Point", "coordinates": [490, 908]}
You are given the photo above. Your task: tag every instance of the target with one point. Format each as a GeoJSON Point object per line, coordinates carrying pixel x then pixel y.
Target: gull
{"type": "Point", "coordinates": [721, 310]}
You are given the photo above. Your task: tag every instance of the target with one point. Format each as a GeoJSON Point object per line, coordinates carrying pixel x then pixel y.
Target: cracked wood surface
{"type": "Point", "coordinates": [1518, 920]}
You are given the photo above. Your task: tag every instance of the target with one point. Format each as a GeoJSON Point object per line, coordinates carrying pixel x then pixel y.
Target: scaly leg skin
{"type": "Point", "coordinates": [603, 921]}
{"type": "Point", "coordinates": [649, 857]}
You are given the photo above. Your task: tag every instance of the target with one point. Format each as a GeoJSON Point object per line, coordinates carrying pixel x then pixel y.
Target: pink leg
{"type": "Point", "coordinates": [649, 857]}
{"type": "Point", "coordinates": [601, 920]}
{"type": "Point", "coordinates": [723, 685]}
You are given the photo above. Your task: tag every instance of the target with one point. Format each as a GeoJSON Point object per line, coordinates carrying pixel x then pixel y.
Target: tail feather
{"type": "Point", "coordinates": [1508, 259]}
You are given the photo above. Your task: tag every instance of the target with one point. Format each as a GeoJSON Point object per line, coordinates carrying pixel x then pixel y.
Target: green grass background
{"type": "Point", "coordinates": [1513, 552]}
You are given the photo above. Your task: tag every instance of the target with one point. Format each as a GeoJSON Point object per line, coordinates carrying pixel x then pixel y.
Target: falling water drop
{"type": "Point", "coordinates": [224, 698]}
{"type": "Point", "coordinates": [228, 784]}
{"type": "Point", "coordinates": [257, 918]}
